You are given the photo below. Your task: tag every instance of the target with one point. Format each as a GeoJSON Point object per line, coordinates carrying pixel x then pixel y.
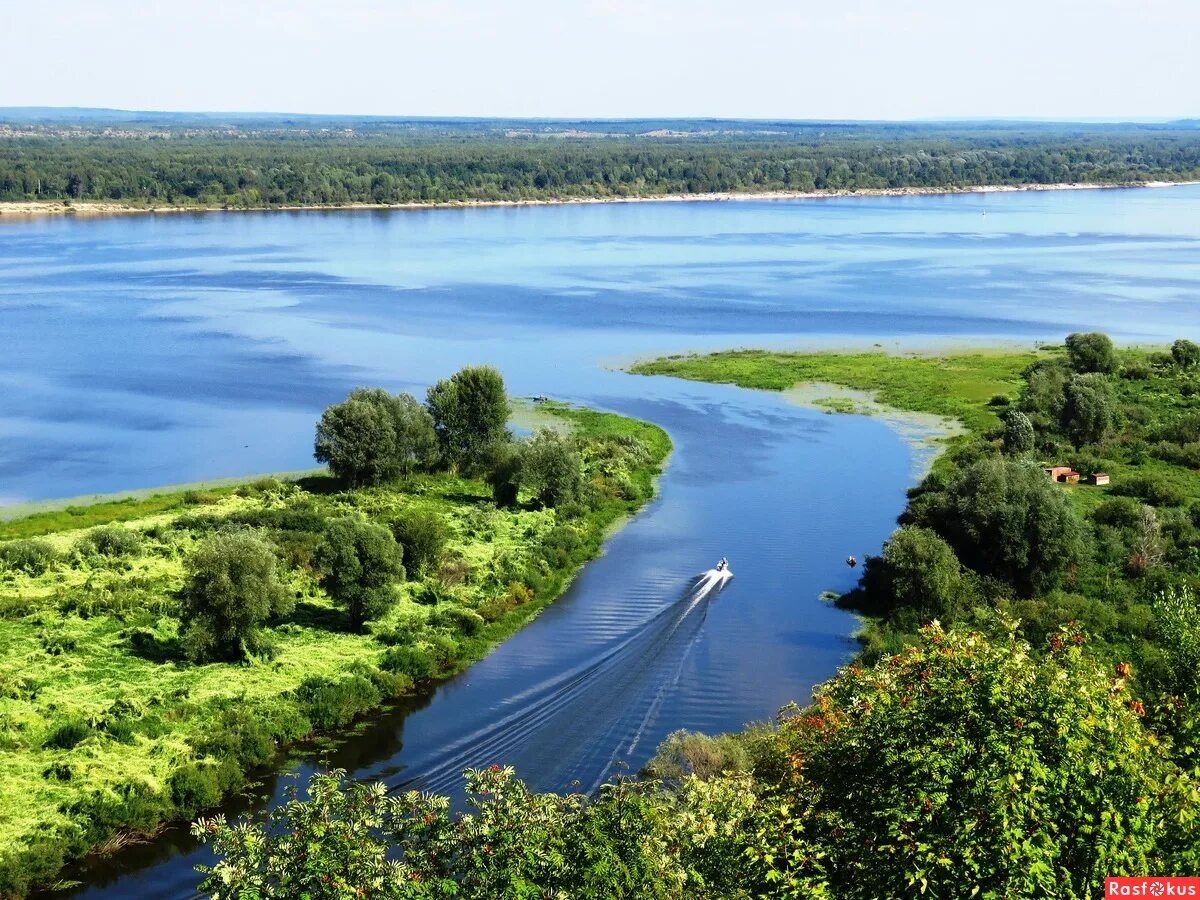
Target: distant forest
{"type": "Point", "coordinates": [247, 161]}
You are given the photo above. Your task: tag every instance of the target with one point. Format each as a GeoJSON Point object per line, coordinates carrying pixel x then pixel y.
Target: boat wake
{"type": "Point", "coordinates": [603, 705]}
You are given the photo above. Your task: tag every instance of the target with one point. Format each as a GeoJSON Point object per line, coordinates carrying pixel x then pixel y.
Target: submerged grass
{"type": "Point", "coordinates": [106, 730]}
{"type": "Point", "coordinates": [957, 385]}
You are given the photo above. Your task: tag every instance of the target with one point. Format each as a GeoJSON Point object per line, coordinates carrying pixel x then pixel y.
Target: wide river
{"type": "Point", "coordinates": [146, 350]}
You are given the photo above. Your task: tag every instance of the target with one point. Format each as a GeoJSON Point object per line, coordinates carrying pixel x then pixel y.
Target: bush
{"type": "Point", "coordinates": [329, 704]}
{"type": "Point", "coordinates": [66, 735]}
{"type": "Point", "coordinates": [359, 563]}
{"type": "Point", "coordinates": [232, 589]}
{"type": "Point", "coordinates": [194, 788]}
{"type": "Point", "coordinates": [111, 541]}
{"type": "Point", "coordinates": [456, 618]}
{"type": "Point", "coordinates": [1155, 490]}
{"type": "Point", "coordinates": [32, 556]}
{"type": "Point", "coordinates": [551, 468]}
{"type": "Point", "coordinates": [423, 536]}
{"type": "Point", "coordinates": [906, 771]}
{"type": "Point", "coordinates": [1091, 352]}
{"type": "Point", "coordinates": [414, 661]}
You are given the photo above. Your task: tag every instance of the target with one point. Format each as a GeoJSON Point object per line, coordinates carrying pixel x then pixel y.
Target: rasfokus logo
{"type": "Point", "coordinates": [1152, 886]}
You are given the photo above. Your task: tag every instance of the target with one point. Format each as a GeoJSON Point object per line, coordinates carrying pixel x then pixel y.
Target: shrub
{"type": "Point", "coordinates": [975, 768]}
{"type": "Point", "coordinates": [329, 704]}
{"type": "Point", "coordinates": [1185, 353]}
{"type": "Point", "coordinates": [194, 788]}
{"type": "Point", "coordinates": [111, 541]}
{"type": "Point", "coordinates": [359, 563]}
{"type": "Point", "coordinates": [1091, 352]}
{"type": "Point", "coordinates": [456, 618]}
{"type": "Point", "coordinates": [31, 556]}
{"type": "Point", "coordinates": [423, 537]}
{"type": "Point", "coordinates": [1155, 490]}
{"type": "Point", "coordinates": [414, 661]}
{"type": "Point", "coordinates": [66, 735]}
{"type": "Point", "coordinates": [232, 588]}
{"type": "Point", "coordinates": [551, 468]}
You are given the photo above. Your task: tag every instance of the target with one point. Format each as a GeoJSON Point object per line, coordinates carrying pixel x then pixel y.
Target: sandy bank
{"type": "Point", "coordinates": [19, 209]}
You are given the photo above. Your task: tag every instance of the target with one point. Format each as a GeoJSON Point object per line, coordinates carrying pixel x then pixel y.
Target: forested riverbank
{"type": "Point", "coordinates": [179, 164]}
{"type": "Point", "coordinates": [156, 652]}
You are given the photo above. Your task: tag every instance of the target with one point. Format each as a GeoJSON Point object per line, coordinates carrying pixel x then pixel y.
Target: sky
{"type": "Point", "coordinates": [796, 59]}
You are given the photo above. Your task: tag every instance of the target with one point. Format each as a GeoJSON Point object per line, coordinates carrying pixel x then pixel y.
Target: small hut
{"type": "Point", "coordinates": [1063, 474]}
{"type": "Point", "coordinates": [1098, 478]}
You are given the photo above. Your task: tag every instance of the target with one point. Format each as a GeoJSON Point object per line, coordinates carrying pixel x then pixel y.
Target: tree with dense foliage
{"type": "Point", "coordinates": [1186, 353]}
{"type": "Point", "coordinates": [373, 436]}
{"type": "Point", "coordinates": [966, 767]}
{"type": "Point", "coordinates": [232, 588]}
{"type": "Point", "coordinates": [1089, 411]}
{"type": "Point", "coordinates": [470, 415]}
{"type": "Point", "coordinates": [422, 535]}
{"type": "Point", "coordinates": [1091, 351]}
{"type": "Point", "coordinates": [1019, 437]}
{"type": "Point", "coordinates": [917, 575]}
{"type": "Point", "coordinates": [1005, 518]}
{"type": "Point", "coordinates": [551, 468]}
{"type": "Point", "coordinates": [359, 562]}
{"type": "Point", "coordinates": [503, 473]}
{"type": "Point", "coordinates": [1042, 393]}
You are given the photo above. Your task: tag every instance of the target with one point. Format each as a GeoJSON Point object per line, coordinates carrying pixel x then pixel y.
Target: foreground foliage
{"type": "Point", "coordinates": [961, 767]}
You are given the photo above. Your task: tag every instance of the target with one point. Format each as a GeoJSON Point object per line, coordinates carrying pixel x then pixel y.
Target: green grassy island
{"type": "Point", "coordinates": [126, 701]}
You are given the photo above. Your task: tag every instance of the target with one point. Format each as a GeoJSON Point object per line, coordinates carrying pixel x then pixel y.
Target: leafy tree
{"type": "Point", "coordinates": [503, 473]}
{"type": "Point", "coordinates": [470, 415]}
{"type": "Point", "coordinates": [551, 468]}
{"type": "Point", "coordinates": [965, 767]}
{"type": "Point", "coordinates": [422, 535]}
{"type": "Point", "coordinates": [1007, 519]}
{"type": "Point", "coordinates": [1091, 351]}
{"type": "Point", "coordinates": [1089, 412]}
{"type": "Point", "coordinates": [1042, 393]}
{"type": "Point", "coordinates": [918, 573]}
{"type": "Point", "coordinates": [359, 563]}
{"type": "Point", "coordinates": [1019, 437]}
{"type": "Point", "coordinates": [232, 588]}
{"type": "Point", "coordinates": [357, 438]}
{"type": "Point", "coordinates": [1186, 353]}
{"type": "Point", "coordinates": [373, 436]}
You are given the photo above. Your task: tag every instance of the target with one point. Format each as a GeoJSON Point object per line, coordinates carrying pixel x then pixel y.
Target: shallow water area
{"type": "Point", "coordinates": [147, 350]}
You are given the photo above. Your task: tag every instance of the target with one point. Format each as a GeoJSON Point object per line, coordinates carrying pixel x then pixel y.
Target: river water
{"type": "Point", "coordinates": [162, 349]}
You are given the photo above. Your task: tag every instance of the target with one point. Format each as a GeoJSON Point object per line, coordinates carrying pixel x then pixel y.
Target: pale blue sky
{"type": "Point", "coordinates": [882, 59]}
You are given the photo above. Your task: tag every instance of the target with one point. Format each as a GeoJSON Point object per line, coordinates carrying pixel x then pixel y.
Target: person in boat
{"type": "Point", "coordinates": [722, 564]}
{"type": "Point", "coordinates": [851, 561]}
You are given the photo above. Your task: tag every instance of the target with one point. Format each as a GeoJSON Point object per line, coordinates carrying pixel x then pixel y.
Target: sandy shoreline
{"type": "Point", "coordinates": [25, 209]}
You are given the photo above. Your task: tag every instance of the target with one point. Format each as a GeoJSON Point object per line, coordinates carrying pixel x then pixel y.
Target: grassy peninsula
{"type": "Point", "coordinates": [118, 712]}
